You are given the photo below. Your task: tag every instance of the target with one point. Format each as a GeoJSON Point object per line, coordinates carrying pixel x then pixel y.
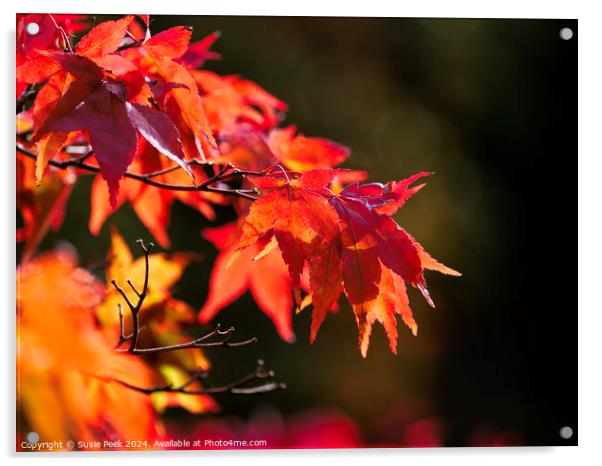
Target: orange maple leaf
{"type": "Point", "coordinates": [66, 365]}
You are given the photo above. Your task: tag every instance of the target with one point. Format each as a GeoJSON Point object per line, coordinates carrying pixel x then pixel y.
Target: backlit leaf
{"type": "Point", "coordinates": [104, 38]}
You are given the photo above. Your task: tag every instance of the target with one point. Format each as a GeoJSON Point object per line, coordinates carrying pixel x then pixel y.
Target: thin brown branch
{"type": "Point", "coordinates": [212, 339]}
{"type": "Point", "coordinates": [147, 178]}
{"type": "Point", "coordinates": [122, 337]}
{"type": "Point", "coordinates": [201, 342]}
{"type": "Point", "coordinates": [134, 289]}
{"type": "Point", "coordinates": [163, 172]}
{"type": "Point", "coordinates": [239, 387]}
{"type": "Point", "coordinates": [124, 295]}
{"type": "Point", "coordinates": [134, 308]}
{"type": "Point", "coordinates": [216, 338]}
{"type": "Point", "coordinates": [219, 176]}
{"type": "Point", "coordinates": [77, 161]}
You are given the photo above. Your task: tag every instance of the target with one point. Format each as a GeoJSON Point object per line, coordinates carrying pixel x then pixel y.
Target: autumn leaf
{"type": "Point", "coordinates": [50, 144]}
{"type": "Point", "coordinates": [301, 153]}
{"type": "Point", "coordinates": [385, 199]}
{"type": "Point", "coordinates": [171, 43]}
{"type": "Point", "coordinates": [104, 38]}
{"type": "Point", "coordinates": [59, 100]}
{"type": "Point", "coordinates": [111, 124]}
{"type": "Point", "coordinates": [37, 70]}
{"type": "Point", "coordinates": [159, 131]}
{"type": "Point", "coordinates": [42, 206]}
{"type": "Point", "coordinates": [184, 105]}
{"type": "Point", "coordinates": [138, 90]}
{"type": "Point", "coordinates": [48, 147]}
{"type": "Point", "coordinates": [244, 146]}
{"type": "Point", "coordinates": [198, 53]}
{"type": "Point", "coordinates": [345, 241]}
{"type": "Point", "coordinates": [301, 220]}
{"type": "Point", "coordinates": [113, 137]}
{"type": "Point", "coordinates": [98, 106]}
{"type": "Point", "coordinates": [229, 281]}
{"type": "Point", "coordinates": [392, 299]}
{"type": "Point", "coordinates": [79, 66]}
{"type": "Point", "coordinates": [229, 100]}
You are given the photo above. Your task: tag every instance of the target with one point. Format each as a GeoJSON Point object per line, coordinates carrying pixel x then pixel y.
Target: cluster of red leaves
{"type": "Point", "coordinates": [117, 99]}
{"type": "Point", "coordinates": [348, 243]}
{"type": "Point", "coordinates": [142, 104]}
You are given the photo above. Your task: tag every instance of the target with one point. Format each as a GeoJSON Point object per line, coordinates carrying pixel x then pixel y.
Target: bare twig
{"type": "Point", "coordinates": [163, 172]}
{"type": "Point", "coordinates": [135, 308]}
{"type": "Point", "coordinates": [239, 387]}
{"type": "Point", "coordinates": [212, 339]}
{"type": "Point", "coordinates": [201, 342]}
{"type": "Point", "coordinates": [216, 338]}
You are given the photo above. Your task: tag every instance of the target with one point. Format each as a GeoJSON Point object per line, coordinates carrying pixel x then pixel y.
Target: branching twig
{"type": "Point", "coordinates": [207, 341]}
{"type": "Point", "coordinates": [239, 387]}
{"type": "Point", "coordinates": [201, 342]}
{"type": "Point", "coordinates": [216, 338]}
{"type": "Point", "coordinates": [135, 308]}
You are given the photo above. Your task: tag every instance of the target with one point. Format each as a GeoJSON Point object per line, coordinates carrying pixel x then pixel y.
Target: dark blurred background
{"type": "Point", "coordinates": [491, 107]}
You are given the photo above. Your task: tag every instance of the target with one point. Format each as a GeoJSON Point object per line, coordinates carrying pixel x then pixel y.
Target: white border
{"type": "Point", "coordinates": [590, 231]}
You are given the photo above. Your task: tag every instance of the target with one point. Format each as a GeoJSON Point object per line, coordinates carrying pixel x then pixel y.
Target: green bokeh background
{"type": "Point", "coordinates": [490, 106]}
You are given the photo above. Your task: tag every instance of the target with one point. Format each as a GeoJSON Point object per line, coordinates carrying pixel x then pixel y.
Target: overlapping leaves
{"type": "Point", "coordinates": [139, 102]}
{"type": "Point", "coordinates": [347, 241]}
{"type": "Point", "coordinates": [90, 98]}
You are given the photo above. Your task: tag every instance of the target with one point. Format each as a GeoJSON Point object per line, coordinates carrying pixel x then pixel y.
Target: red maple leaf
{"type": "Point", "coordinates": [230, 280]}
{"type": "Point", "coordinates": [345, 241]}
{"type": "Point", "coordinates": [111, 124]}
{"type": "Point", "coordinates": [198, 53]}
{"type": "Point", "coordinates": [301, 153]}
